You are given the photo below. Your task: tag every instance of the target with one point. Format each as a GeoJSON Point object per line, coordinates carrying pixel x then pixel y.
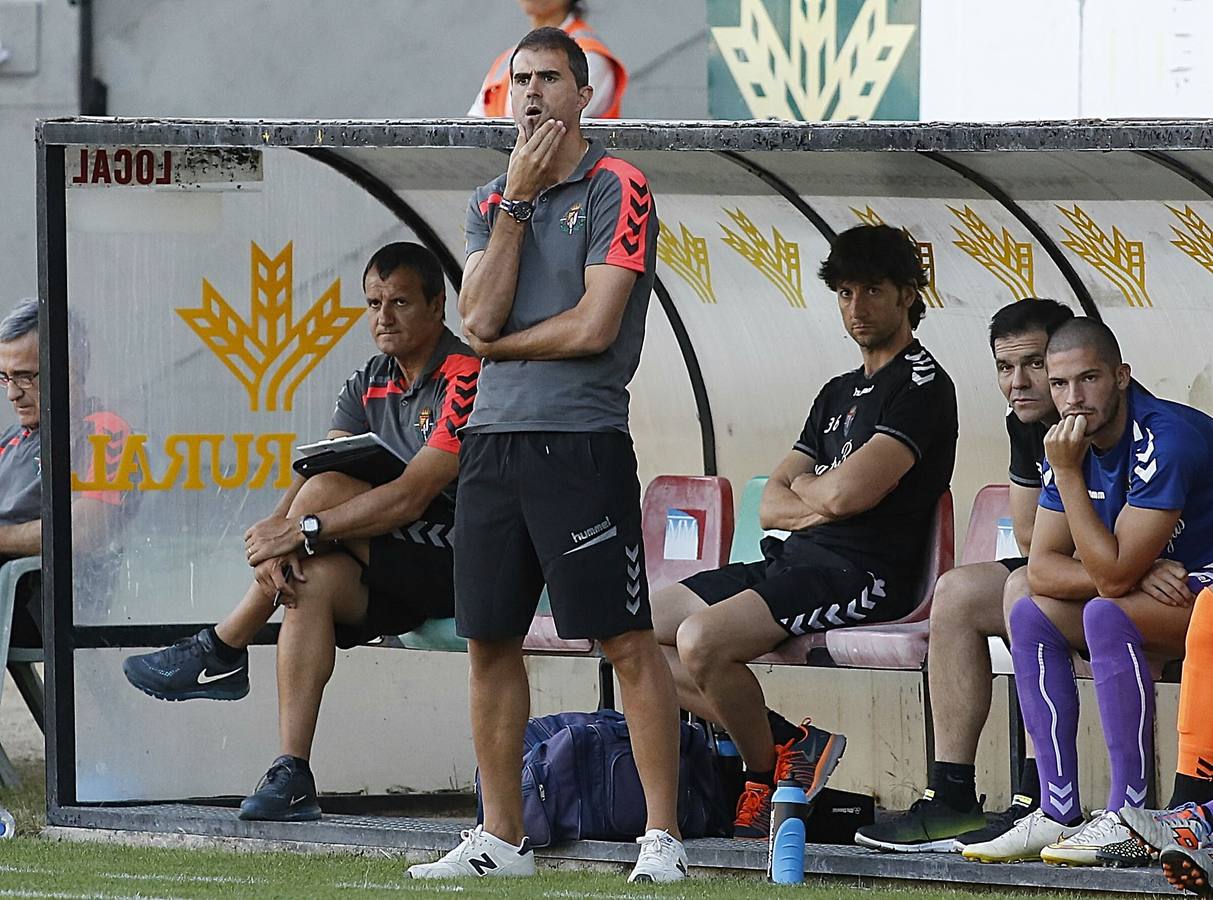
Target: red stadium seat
{"type": "Point", "coordinates": [992, 503]}
{"type": "Point", "coordinates": [688, 526]}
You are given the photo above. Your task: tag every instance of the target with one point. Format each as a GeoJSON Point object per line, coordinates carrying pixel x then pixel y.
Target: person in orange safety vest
{"type": "Point", "coordinates": [608, 77]}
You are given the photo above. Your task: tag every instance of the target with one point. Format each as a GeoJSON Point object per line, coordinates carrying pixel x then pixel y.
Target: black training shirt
{"type": "Point", "coordinates": [912, 400]}
{"type": "Point", "coordinates": [1027, 450]}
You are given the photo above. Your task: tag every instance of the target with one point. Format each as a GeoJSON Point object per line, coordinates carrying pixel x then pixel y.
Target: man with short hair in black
{"type": "Point", "coordinates": [858, 491]}
{"type": "Point", "coordinates": [338, 551]}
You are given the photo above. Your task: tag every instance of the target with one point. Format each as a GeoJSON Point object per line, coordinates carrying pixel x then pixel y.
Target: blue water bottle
{"type": "Point", "coordinates": [785, 855]}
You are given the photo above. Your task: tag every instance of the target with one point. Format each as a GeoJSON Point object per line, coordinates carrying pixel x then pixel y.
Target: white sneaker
{"type": "Point", "coordinates": [1080, 849]}
{"type": "Point", "coordinates": [1023, 841]}
{"type": "Point", "coordinates": [662, 858]}
{"type": "Point", "coordinates": [480, 855]}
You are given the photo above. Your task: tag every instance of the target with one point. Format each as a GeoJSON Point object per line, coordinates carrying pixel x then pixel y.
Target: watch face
{"type": "Point", "coordinates": [310, 525]}
{"type": "Point", "coordinates": [521, 210]}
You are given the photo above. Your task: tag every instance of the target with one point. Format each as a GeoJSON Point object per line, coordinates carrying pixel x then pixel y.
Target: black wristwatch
{"type": "Point", "coordinates": [309, 526]}
{"type": "Point", "coordinates": [519, 210]}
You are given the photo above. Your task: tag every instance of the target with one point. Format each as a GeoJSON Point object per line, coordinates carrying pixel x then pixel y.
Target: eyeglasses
{"type": "Point", "coordinates": [23, 380]}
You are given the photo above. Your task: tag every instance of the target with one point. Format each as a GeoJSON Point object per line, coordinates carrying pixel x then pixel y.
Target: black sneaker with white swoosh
{"type": "Point", "coordinates": [286, 793]}
{"type": "Point", "coordinates": [188, 670]}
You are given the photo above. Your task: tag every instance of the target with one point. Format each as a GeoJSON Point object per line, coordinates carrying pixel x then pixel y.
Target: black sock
{"type": "Point", "coordinates": [1029, 780]}
{"type": "Point", "coordinates": [1190, 789]}
{"type": "Point", "coordinates": [767, 778]}
{"type": "Point", "coordinates": [225, 652]}
{"type": "Point", "coordinates": [781, 729]}
{"type": "Point", "coordinates": [955, 784]}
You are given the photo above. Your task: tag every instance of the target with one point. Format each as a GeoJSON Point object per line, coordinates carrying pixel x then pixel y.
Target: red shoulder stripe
{"type": "Point", "coordinates": [632, 229]}
{"type": "Point", "coordinates": [494, 200]}
{"type": "Point", "coordinates": [118, 430]}
{"type": "Point", "coordinates": [461, 373]}
{"type": "Point", "coordinates": [381, 391]}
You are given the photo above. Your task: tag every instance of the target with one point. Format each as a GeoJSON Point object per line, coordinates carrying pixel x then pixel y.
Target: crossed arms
{"type": "Point", "coordinates": [1108, 563]}
{"type": "Point", "coordinates": [796, 498]}
{"type": "Point", "coordinates": [489, 283]}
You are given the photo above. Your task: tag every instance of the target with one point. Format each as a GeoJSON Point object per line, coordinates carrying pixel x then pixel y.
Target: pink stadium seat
{"type": "Point", "coordinates": [688, 526]}
{"type": "Point", "coordinates": [893, 645]}
{"type": "Point", "coordinates": [993, 502]}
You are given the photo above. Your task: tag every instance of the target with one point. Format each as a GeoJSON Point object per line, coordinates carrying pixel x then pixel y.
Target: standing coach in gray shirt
{"type": "Point", "coordinates": [561, 260]}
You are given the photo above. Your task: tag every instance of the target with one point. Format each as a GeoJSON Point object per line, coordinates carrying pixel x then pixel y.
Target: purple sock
{"type": "Point", "coordinates": [1048, 698]}
{"type": "Point", "coordinates": [1126, 699]}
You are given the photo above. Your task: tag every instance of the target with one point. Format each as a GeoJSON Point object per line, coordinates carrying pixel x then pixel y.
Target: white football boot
{"type": "Point", "coordinates": [1023, 841]}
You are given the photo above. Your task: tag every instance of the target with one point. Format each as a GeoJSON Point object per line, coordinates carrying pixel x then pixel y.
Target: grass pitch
{"type": "Point", "coordinates": [36, 868]}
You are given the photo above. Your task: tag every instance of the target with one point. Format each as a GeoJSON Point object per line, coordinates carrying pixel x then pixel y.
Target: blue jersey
{"type": "Point", "coordinates": [1162, 461]}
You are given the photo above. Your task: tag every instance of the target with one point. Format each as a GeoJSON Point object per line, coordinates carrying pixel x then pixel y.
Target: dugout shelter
{"type": "Point", "coordinates": [212, 269]}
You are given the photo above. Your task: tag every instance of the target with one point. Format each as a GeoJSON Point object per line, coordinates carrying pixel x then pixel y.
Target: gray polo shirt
{"type": "Point", "coordinates": [603, 214]}
{"type": "Point", "coordinates": [21, 464]}
{"type": "Point", "coordinates": [427, 413]}
{"type": "Point", "coordinates": [20, 475]}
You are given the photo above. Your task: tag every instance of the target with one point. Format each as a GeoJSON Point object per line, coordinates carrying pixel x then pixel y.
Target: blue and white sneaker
{"type": "Point", "coordinates": [188, 670]}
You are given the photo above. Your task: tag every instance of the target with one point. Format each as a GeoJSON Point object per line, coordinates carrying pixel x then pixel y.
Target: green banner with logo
{"type": "Point", "coordinates": [814, 60]}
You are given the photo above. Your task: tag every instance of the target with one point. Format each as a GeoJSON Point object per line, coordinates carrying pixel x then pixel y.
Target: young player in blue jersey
{"type": "Point", "coordinates": [1126, 516]}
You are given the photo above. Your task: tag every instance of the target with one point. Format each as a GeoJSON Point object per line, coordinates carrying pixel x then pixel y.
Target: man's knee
{"type": "Point", "coordinates": [324, 491]}
{"type": "Point", "coordinates": [955, 596]}
{"type": "Point", "coordinates": [631, 650]}
{"type": "Point", "coordinates": [701, 647]}
{"type": "Point", "coordinates": [1016, 587]}
{"type": "Point", "coordinates": [671, 607]}
{"type": "Point", "coordinates": [968, 599]}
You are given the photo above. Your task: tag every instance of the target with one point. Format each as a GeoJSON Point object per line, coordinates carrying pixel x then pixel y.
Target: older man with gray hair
{"type": "Point", "coordinates": [21, 459]}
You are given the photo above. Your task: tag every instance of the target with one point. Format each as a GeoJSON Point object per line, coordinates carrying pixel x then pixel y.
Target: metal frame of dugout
{"type": "Point", "coordinates": [1183, 149]}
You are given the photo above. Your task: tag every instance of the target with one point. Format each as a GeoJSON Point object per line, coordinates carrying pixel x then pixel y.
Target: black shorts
{"type": "Point", "coordinates": [561, 508]}
{"type": "Point", "coordinates": [410, 578]}
{"type": "Point", "coordinates": [820, 592]}
{"type": "Point", "coordinates": [1014, 562]}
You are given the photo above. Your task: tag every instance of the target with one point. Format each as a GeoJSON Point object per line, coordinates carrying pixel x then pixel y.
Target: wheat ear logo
{"type": "Point", "coordinates": [816, 72]}
{"type": "Point", "coordinates": [1008, 260]}
{"type": "Point", "coordinates": [1197, 238]}
{"type": "Point", "coordinates": [688, 257]}
{"type": "Point", "coordinates": [271, 353]}
{"type": "Point", "coordinates": [1120, 260]}
{"type": "Point", "coordinates": [780, 264]}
